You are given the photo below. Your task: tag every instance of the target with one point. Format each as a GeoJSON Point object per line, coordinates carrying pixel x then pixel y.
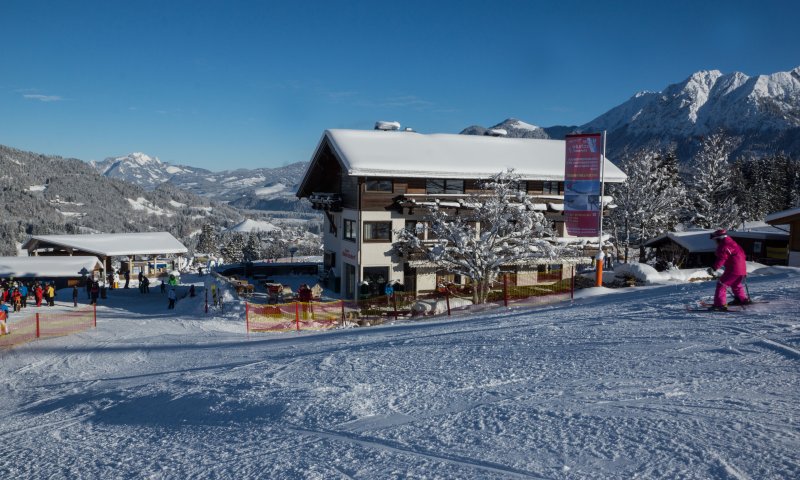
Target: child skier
{"type": "Point", "coordinates": [731, 256]}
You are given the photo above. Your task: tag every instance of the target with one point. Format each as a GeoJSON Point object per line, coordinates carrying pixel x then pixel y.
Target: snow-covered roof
{"type": "Point", "coordinates": [696, 241]}
{"type": "Point", "coordinates": [699, 241]}
{"type": "Point", "coordinates": [112, 244]}
{"type": "Point", "coordinates": [375, 153]}
{"type": "Point", "coordinates": [783, 216]}
{"type": "Point", "coordinates": [47, 266]}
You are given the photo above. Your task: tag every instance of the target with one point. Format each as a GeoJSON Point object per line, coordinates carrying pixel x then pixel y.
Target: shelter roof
{"type": "Point", "coordinates": [48, 266]}
{"type": "Point", "coordinates": [111, 244]}
{"type": "Point", "coordinates": [377, 153]}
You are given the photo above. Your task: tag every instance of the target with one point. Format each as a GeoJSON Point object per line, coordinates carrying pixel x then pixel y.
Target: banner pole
{"type": "Point", "coordinates": [38, 330]}
{"type": "Point", "coordinates": [600, 254]}
{"type": "Point", "coordinates": [94, 314]}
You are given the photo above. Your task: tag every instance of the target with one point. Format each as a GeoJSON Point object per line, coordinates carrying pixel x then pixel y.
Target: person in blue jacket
{"type": "Point", "coordinates": [23, 290]}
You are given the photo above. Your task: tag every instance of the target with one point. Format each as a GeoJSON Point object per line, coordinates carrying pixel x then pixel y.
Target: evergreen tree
{"type": "Point", "coordinates": [252, 249]}
{"type": "Point", "coordinates": [712, 199]}
{"type": "Point", "coordinates": [649, 201]}
{"type": "Point", "coordinates": [207, 241]}
{"type": "Point", "coordinates": [233, 249]}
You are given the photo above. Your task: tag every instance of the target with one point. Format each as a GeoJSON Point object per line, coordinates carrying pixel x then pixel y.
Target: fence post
{"type": "Point", "coordinates": [94, 314]}
{"type": "Point", "coordinates": [447, 299]}
{"type": "Point", "coordinates": [247, 316]}
{"type": "Point", "coordinates": [297, 315]}
{"type": "Point", "coordinates": [342, 311]}
{"type": "Point", "coordinates": [206, 290]}
{"type": "Point", "coordinates": [394, 303]}
{"type": "Point", "coordinates": [38, 330]}
{"type": "Point", "coordinates": [505, 289]}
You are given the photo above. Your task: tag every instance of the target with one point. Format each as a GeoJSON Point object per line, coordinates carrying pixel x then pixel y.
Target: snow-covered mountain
{"type": "Point", "coordinates": [261, 188]}
{"type": "Point", "coordinates": [138, 168]}
{"type": "Point", "coordinates": [511, 126]}
{"type": "Point", "coordinates": [762, 111]}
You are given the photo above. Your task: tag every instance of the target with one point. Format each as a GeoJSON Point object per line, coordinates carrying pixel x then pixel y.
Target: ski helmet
{"type": "Point", "coordinates": [719, 234]}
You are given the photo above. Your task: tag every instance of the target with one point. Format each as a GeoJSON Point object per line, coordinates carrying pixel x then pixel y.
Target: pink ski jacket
{"type": "Point", "coordinates": [731, 256]}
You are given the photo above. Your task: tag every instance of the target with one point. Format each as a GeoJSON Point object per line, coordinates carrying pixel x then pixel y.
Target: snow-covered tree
{"type": "Point", "coordinates": [650, 200]}
{"type": "Point", "coordinates": [489, 230]}
{"type": "Point", "coordinates": [711, 195]}
{"type": "Point", "coordinates": [207, 241]}
{"type": "Point", "coordinates": [232, 250]}
{"type": "Point", "coordinates": [252, 249]}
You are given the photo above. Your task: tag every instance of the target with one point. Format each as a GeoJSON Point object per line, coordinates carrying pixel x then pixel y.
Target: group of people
{"type": "Point", "coordinates": [15, 294]}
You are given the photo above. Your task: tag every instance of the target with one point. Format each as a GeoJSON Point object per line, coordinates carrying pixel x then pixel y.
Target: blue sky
{"type": "Point", "coordinates": [245, 84]}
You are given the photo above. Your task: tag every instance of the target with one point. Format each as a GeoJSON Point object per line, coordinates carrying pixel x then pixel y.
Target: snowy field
{"type": "Point", "coordinates": [611, 386]}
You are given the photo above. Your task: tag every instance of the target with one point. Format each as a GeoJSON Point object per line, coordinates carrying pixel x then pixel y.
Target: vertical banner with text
{"type": "Point", "coordinates": [582, 188]}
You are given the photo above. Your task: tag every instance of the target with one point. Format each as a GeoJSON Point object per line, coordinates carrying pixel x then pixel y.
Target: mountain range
{"type": "Point", "coordinates": [762, 112]}
{"type": "Point", "coordinates": [43, 194]}
{"type": "Point", "coordinates": [256, 189]}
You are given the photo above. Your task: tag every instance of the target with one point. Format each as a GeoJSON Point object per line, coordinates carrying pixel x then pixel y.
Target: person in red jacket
{"type": "Point", "coordinates": [38, 293]}
{"type": "Point", "coordinates": [730, 256]}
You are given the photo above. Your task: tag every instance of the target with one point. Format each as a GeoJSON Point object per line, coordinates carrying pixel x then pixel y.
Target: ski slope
{"type": "Point", "coordinates": [627, 385]}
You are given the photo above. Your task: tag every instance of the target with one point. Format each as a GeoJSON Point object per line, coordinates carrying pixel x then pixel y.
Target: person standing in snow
{"type": "Point", "coordinates": [730, 256]}
{"type": "Point", "coordinates": [127, 278]}
{"type": "Point", "coordinates": [75, 295]}
{"type": "Point", "coordinates": [95, 292]}
{"type": "Point", "coordinates": [38, 293]}
{"type": "Point", "coordinates": [172, 296]}
{"type": "Point", "coordinates": [51, 295]}
{"type": "Point", "coordinates": [23, 290]}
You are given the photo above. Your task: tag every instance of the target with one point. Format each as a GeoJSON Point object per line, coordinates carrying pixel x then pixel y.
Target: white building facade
{"type": "Point", "coordinates": [371, 183]}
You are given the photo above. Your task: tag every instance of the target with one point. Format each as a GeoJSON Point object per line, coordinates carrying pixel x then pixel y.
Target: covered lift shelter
{"type": "Point", "coordinates": [106, 246]}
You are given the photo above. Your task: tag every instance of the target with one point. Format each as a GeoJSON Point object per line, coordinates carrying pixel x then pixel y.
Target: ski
{"type": "Point", "coordinates": [703, 303]}
{"type": "Point", "coordinates": [695, 309]}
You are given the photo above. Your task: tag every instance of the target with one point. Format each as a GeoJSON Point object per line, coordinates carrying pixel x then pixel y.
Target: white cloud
{"type": "Point", "coordinates": [42, 98]}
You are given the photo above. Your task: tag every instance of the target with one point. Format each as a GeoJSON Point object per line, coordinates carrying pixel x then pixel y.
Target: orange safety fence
{"type": "Point", "coordinates": [292, 316]}
{"type": "Point", "coordinates": [526, 289]}
{"type": "Point", "coordinates": [25, 326]}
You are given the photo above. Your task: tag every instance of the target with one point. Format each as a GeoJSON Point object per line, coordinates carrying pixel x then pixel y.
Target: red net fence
{"type": "Point", "coordinates": [293, 316]}
{"type": "Point", "coordinates": [527, 289]}
{"type": "Point", "coordinates": [22, 327]}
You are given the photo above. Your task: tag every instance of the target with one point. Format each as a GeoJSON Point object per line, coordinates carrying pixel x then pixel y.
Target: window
{"type": "Point", "coordinates": [377, 231]}
{"type": "Point", "coordinates": [378, 186]}
{"type": "Point", "coordinates": [349, 227]}
{"type": "Point", "coordinates": [434, 186]}
{"type": "Point", "coordinates": [551, 188]}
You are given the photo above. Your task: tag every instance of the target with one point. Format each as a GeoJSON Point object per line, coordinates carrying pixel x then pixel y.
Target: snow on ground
{"type": "Point", "coordinates": [609, 386]}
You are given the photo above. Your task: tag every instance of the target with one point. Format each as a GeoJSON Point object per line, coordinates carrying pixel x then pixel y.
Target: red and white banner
{"type": "Point", "coordinates": [582, 187]}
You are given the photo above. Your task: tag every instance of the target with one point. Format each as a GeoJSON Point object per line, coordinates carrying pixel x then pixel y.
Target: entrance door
{"type": "Point", "coordinates": [349, 281]}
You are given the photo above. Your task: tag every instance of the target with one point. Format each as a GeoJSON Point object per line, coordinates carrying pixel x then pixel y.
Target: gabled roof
{"type": "Point", "coordinates": [47, 266]}
{"type": "Point", "coordinates": [111, 244]}
{"type": "Point", "coordinates": [377, 153]}
{"type": "Point", "coordinates": [699, 241]}
{"type": "Point", "coordinates": [694, 241]}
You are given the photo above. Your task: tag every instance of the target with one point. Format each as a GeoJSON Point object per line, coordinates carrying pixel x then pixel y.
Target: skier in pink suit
{"type": "Point", "coordinates": [731, 256]}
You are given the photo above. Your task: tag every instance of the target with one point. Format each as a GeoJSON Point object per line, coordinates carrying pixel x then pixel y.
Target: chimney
{"type": "Point", "coordinates": [497, 132]}
{"type": "Point", "coordinates": [387, 126]}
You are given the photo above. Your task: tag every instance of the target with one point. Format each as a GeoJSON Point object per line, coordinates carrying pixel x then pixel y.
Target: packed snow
{"type": "Point", "coordinates": [608, 386]}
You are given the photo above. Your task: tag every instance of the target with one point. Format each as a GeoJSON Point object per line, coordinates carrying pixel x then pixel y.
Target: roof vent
{"type": "Point", "coordinates": [408, 129]}
{"type": "Point", "coordinates": [497, 132]}
{"type": "Point", "coordinates": [387, 126]}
